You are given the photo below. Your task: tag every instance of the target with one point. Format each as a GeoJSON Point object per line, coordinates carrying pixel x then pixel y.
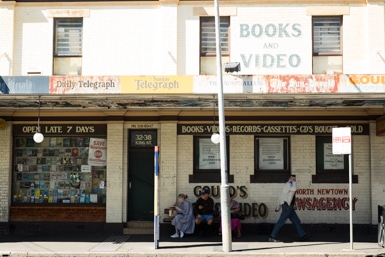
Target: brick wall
{"type": "Point", "coordinates": [57, 213]}
{"type": "Point", "coordinates": [303, 164]}
{"type": "Point", "coordinates": [114, 172]}
{"type": "Point", "coordinates": [5, 171]}
{"type": "Point", "coordinates": [172, 45]}
{"type": "Point", "coordinates": [168, 166]}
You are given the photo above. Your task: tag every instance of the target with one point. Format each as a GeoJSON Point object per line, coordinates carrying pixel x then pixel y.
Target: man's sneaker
{"type": "Point", "coordinates": [275, 240]}
{"type": "Point", "coordinates": [181, 234]}
{"type": "Point", "coordinates": [176, 235]}
{"type": "Point", "coordinates": [305, 237]}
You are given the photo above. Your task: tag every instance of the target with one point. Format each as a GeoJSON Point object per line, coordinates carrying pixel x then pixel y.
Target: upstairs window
{"type": "Point", "coordinates": [68, 46]}
{"type": "Point", "coordinates": [327, 35]}
{"type": "Point", "coordinates": [68, 37]}
{"type": "Point", "coordinates": [208, 45]}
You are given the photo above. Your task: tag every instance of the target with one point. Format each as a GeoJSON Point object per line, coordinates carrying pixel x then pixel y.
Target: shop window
{"type": "Point", "coordinates": [68, 46]}
{"type": "Point", "coordinates": [60, 170]}
{"type": "Point", "coordinates": [208, 45]}
{"type": "Point", "coordinates": [327, 44]}
{"type": "Point", "coordinates": [207, 167]}
{"type": "Point", "coordinates": [272, 160]}
{"type": "Point", "coordinates": [330, 168]}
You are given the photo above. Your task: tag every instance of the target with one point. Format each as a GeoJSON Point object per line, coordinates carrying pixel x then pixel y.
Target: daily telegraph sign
{"type": "Point", "coordinates": [193, 84]}
{"type": "Point", "coordinates": [271, 129]}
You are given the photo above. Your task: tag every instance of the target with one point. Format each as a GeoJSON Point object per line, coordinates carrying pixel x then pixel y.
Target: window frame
{"type": "Point", "coordinates": [329, 175]}
{"type": "Point", "coordinates": [208, 175]}
{"type": "Point", "coordinates": [56, 38]}
{"type": "Point", "coordinates": [207, 54]}
{"type": "Point", "coordinates": [271, 175]}
{"type": "Point", "coordinates": [340, 52]}
{"type": "Point", "coordinates": [34, 148]}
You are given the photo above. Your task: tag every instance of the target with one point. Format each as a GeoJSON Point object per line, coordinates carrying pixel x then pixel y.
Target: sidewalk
{"type": "Point", "coordinates": [324, 242]}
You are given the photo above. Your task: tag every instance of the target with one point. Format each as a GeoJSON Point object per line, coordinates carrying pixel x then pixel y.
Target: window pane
{"type": "Point", "coordinates": [209, 158]}
{"type": "Point", "coordinates": [57, 171]}
{"type": "Point", "coordinates": [208, 45]}
{"type": "Point", "coordinates": [327, 35]}
{"type": "Point", "coordinates": [272, 153]}
{"type": "Point", "coordinates": [68, 37]}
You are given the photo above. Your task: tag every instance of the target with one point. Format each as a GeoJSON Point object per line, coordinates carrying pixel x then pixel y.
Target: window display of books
{"type": "Point", "coordinates": [56, 172]}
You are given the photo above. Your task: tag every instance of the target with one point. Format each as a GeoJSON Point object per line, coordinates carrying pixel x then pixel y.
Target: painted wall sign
{"type": "Point", "coordinates": [269, 47]}
{"type": "Point", "coordinates": [61, 130]}
{"type": "Point", "coordinates": [84, 85]}
{"type": "Point", "coordinates": [380, 126]}
{"type": "Point", "coordinates": [24, 84]}
{"type": "Point", "coordinates": [255, 210]}
{"type": "Point", "coordinates": [193, 84]}
{"type": "Point", "coordinates": [157, 84]}
{"type": "Point", "coordinates": [276, 129]}
{"type": "Point", "coordinates": [330, 199]}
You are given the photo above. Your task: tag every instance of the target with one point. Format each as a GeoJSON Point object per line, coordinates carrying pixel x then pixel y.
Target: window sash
{"type": "Point", "coordinates": [327, 35]}
{"type": "Point", "coordinates": [284, 153]}
{"type": "Point", "coordinates": [325, 161]}
{"type": "Point", "coordinates": [68, 37]}
{"type": "Point", "coordinates": [208, 44]}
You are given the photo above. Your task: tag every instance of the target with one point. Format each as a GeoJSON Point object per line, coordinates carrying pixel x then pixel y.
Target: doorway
{"type": "Point", "coordinates": [140, 206]}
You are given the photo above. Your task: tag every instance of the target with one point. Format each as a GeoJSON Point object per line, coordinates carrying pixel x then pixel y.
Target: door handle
{"type": "Point", "coordinates": [129, 185]}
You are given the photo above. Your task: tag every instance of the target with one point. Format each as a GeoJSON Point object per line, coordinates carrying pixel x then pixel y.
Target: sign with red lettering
{"type": "Point", "coordinates": [97, 152]}
{"type": "Point", "coordinates": [342, 140]}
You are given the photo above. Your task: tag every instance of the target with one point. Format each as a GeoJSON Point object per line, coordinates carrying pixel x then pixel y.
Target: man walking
{"type": "Point", "coordinates": [287, 201]}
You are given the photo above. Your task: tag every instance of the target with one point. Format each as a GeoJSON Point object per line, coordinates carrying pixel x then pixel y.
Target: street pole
{"type": "Point", "coordinates": [350, 203]}
{"type": "Point", "coordinates": [225, 201]}
{"type": "Point", "coordinates": [156, 197]}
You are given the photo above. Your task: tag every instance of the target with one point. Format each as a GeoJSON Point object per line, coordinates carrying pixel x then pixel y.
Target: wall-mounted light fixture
{"type": "Point", "coordinates": [232, 67]}
{"type": "Point", "coordinates": [38, 137]}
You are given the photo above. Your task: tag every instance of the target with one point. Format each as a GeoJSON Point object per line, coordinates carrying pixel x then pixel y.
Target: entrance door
{"type": "Point", "coordinates": [141, 176]}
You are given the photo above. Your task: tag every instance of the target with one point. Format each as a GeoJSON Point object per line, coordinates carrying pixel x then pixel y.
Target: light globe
{"type": "Point", "coordinates": [215, 138]}
{"type": "Point", "coordinates": [38, 137]}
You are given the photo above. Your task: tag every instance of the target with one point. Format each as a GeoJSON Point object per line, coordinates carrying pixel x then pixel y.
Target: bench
{"type": "Point", "coordinates": [216, 219]}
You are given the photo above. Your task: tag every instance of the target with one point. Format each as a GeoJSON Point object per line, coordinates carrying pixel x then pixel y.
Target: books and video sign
{"type": "Point", "coordinates": [60, 170]}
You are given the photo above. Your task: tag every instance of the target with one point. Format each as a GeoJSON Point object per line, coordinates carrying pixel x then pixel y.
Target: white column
{"type": "Point", "coordinates": [115, 145]}
{"type": "Point", "coordinates": [169, 35]}
{"type": "Point", "coordinates": [5, 171]}
{"type": "Point", "coordinates": [375, 37]}
{"type": "Point", "coordinates": [7, 12]}
{"type": "Point", "coordinates": [167, 164]}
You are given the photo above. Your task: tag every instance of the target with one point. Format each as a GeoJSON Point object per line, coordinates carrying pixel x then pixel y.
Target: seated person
{"type": "Point", "coordinates": [184, 219]}
{"type": "Point", "coordinates": [235, 218]}
{"type": "Point", "coordinates": [204, 209]}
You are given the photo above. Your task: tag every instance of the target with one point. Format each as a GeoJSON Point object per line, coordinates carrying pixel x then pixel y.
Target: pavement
{"type": "Point", "coordinates": [326, 241]}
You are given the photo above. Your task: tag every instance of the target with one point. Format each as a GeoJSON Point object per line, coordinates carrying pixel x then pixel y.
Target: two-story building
{"type": "Point", "coordinates": [106, 81]}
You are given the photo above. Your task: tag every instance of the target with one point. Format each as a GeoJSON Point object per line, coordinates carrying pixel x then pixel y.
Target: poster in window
{"type": "Point", "coordinates": [97, 152]}
{"type": "Point", "coordinates": [209, 157]}
{"type": "Point", "coordinates": [332, 161]}
{"type": "Point", "coordinates": [271, 154]}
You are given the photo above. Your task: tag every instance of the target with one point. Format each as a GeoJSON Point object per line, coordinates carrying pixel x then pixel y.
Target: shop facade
{"type": "Point", "coordinates": [105, 108]}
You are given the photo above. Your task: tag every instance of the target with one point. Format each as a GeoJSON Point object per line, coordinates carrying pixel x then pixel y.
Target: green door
{"type": "Point", "coordinates": [140, 184]}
